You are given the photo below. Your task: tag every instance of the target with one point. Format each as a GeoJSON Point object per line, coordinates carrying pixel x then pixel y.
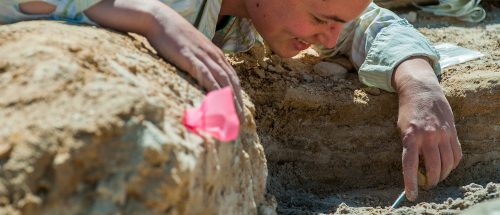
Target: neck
{"type": "Point", "coordinates": [233, 8]}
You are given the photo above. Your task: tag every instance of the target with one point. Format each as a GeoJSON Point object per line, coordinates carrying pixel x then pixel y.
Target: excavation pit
{"type": "Point", "coordinates": [332, 144]}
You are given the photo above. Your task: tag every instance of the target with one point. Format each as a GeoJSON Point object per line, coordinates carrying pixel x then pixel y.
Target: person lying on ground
{"type": "Point", "coordinates": [191, 34]}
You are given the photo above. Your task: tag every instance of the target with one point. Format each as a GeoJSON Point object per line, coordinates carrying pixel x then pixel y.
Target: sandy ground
{"type": "Point", "coordinates": [324, 186]}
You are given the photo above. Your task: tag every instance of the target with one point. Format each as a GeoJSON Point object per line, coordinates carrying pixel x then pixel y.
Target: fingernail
{"type": "Point", "coordinates": [411, 195]}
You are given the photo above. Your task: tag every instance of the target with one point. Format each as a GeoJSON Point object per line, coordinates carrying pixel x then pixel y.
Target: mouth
{"type": "Point", "coordinates": [300, 44]}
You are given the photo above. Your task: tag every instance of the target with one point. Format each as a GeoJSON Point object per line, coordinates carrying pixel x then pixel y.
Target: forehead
{"type": "Point", "coordinates": [337, 9]}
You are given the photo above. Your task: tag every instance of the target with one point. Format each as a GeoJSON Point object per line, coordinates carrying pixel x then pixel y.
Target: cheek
{"type": "Point", "coordinates": [302, 29]}
{"type": "Point", "coordinates": [266, 23]}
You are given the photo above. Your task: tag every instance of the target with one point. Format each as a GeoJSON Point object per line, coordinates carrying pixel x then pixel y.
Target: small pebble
{"type": "Point", "coordinates": [491, 187]}
{"type": "Point", "coordinates": [271, 68]}
{"type": "Point", "coordinates": [343, 209]}
{"type": "Point", "coordinates": [260, 72]}
{"type": "Point", "coordinates": [275, 59]}
{"type": "Point", "coordinates": [307, 77]}
{"type": "Point", "coordinates": [327, 69]}
{"type": "Point", "coordinates": [262, 63]}
{"type": "Point", "coordinates": [449, 201]}
{"type": "Point", "coordinates": [5, 149]}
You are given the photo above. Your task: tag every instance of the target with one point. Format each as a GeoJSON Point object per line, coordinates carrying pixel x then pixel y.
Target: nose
{"type": "Point", "coordinates": [329, 34]}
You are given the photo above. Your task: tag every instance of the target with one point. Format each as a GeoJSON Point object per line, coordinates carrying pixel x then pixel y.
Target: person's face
{"type": "Point", "coordinates": [290, 26]}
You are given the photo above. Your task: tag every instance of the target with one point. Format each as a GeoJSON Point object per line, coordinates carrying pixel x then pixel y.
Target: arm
{"type": "Point", "coordinates": [376, 42]}
{"type": "Point", "coordinates": [393, 56]}
{"type": "Point", "coordinates": [426, 125]}
{"type": "Point", "coordinates": [172, 36]}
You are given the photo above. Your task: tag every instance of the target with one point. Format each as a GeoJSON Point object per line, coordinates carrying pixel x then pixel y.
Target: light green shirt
{"type": "Point", "coordinates": [68, 10]}
{"type": "Point", "coordinates": [376, 42]}
{"type": "Point", "coordinates": [238, 36]}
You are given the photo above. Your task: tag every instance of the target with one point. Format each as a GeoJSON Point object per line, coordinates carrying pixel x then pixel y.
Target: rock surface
{"type": "Point", "coordinates": [91, 124]}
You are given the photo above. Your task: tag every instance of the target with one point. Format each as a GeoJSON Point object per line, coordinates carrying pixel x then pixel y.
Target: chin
{"type": "Point", "coordinates": [282, 48]}
{"type": "Point", "coordinates": [284, 53]}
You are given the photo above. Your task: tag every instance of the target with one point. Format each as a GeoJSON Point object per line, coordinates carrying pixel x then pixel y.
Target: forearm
{"type": "Point", "coordinates": [418, 89]}
{"type": "Point", "coordinates": [151, 19]}
{"type": "Point", "coordinates": [135, 16]}
{"type": "Point", "coordinates": [380, 42]}
{"type": "Point", "coordinates": [36, 7]}
{"type": "Point", "coordinates": [414, 75]}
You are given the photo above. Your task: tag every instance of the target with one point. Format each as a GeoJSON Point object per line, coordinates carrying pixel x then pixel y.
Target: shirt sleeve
{"type": "Point", "coordinates": [377, 42]}
{"type": "Point", "coordinates": [66, 10]}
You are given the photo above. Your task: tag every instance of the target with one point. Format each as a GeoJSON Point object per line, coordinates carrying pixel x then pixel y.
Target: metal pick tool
{"type": "Point", "coordinates": [398, 201]}
{"type": "Point", "coordinates": [421, 180]}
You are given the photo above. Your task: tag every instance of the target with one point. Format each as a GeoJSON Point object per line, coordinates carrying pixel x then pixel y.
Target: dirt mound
{"type": "Point", "coordinates": [332, 145]}
{"type": "Point", "coordinates": [91, 124]}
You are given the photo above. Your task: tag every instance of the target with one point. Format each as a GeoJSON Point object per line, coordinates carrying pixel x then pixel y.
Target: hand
{"type": "Point", "coordinates": [186, 47]}
{"type": "Point", "coordinates": [174, 38]}
{"type": "Point", "coordinates": [426, 125]}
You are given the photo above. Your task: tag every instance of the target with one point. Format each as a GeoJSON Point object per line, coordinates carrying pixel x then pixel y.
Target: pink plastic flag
{"type": "Point", "coordinates": [215, 116]}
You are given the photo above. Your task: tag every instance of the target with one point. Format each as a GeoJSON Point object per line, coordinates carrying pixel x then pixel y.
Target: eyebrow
{"type": "Point", "coordinates": [334, 18]}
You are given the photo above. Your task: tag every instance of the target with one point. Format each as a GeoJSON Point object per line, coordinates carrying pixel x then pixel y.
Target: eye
{"type": "Point", "coordinates": [319, 21]}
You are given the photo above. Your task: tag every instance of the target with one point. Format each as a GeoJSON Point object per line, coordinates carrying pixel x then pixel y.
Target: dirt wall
{"type": "Point", "coordinates": [330, 141]}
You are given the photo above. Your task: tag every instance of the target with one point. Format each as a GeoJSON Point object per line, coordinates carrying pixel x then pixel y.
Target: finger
{"type": "Point", "coordinates": [235, 83]}
{"type": "Point", "coordinates": [216, 69]}
{"type": "Point", "coordinates": [222, 77]}
{"type": "Point", "coordinates": [410, 166]}
{"type": "Point", "coordinates": [231, 73]}
{"type": "Point", "coordinates": [197, 69]}
{"type": "Point", "coordinates": [233, 80]}
{"type": "Point", "coordinates": [446, 155]}
{"type": "Point", "coordinates": [432, 158]}
{"type": "Point", "coordinates": [455, 147]}
{"type": "Point", "coordinates": [202, 74]}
